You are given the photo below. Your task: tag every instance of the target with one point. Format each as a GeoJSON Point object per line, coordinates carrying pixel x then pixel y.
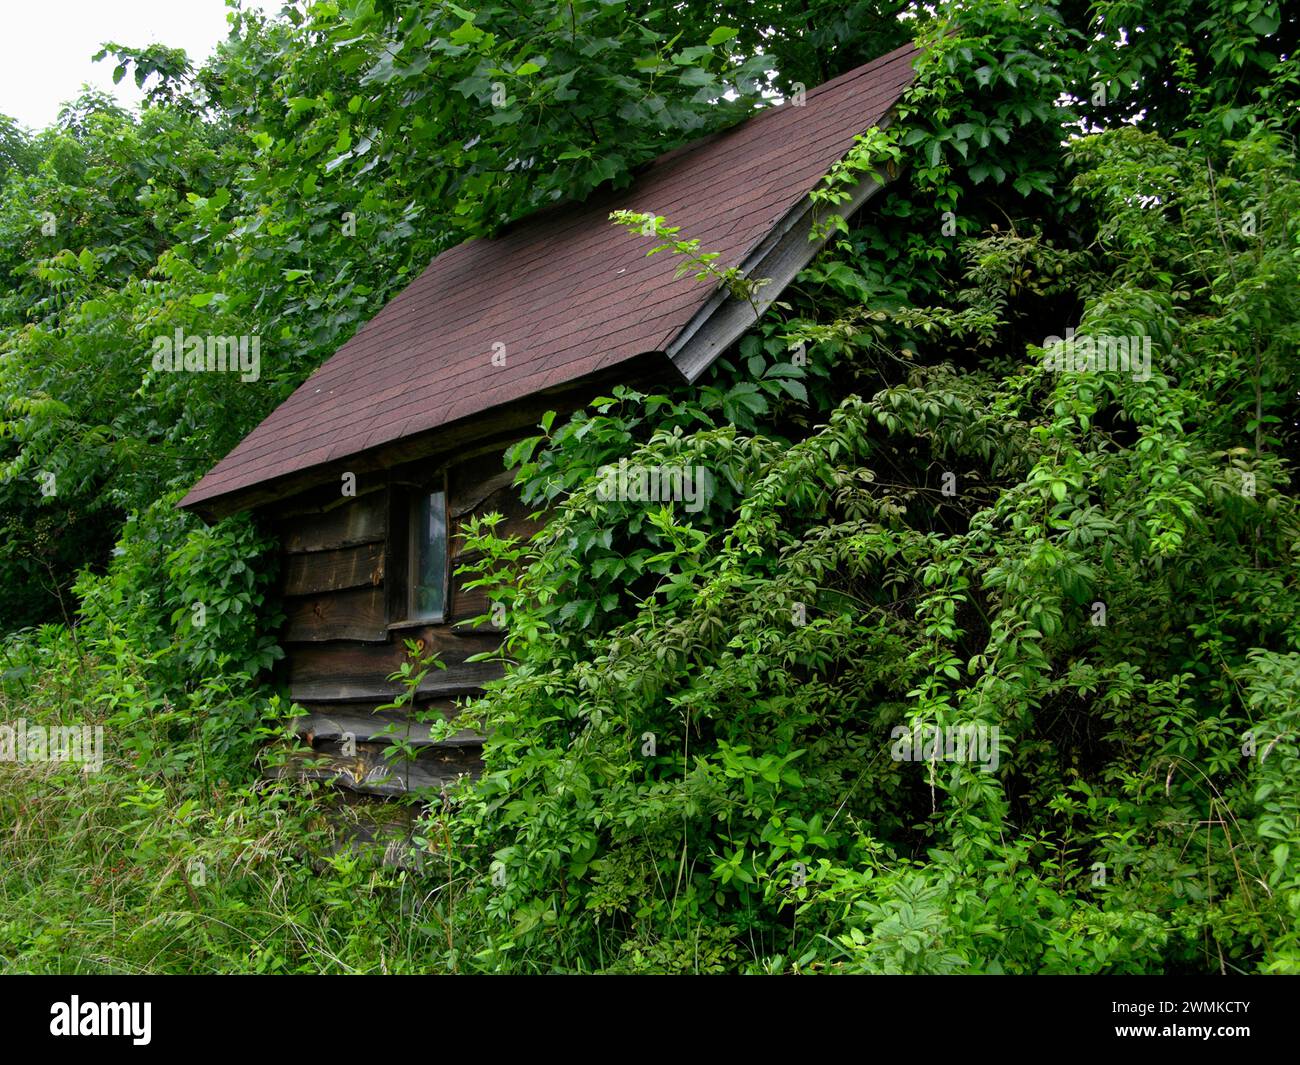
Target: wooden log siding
{"type": "Point", "coordinates": [347, 670]}
{"type": "Point", "coordinates": [354, 614]}
{"type": "Point", "coordinates": [374, 771]}
{"type": "Point", "coordinates": [334, 721]}
{"type": "Point", "coordinates": [334, 570]}
{"type": "Point", "coordinates": [340, 648]}
{"type": "Point", "coordinates": [349, 523]}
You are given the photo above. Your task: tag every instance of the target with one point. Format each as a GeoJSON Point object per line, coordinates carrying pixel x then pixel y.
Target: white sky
{"type": "Point", "coordinates": [46, 45]}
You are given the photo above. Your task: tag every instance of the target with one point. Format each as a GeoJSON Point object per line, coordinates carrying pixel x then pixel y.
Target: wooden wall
{"type": "Point", "coordinates": [334, 549]}
{"type": "Point", "coordinates": [338, 647]}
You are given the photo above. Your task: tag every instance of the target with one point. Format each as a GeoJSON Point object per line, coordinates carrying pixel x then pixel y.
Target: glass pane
{"type": "Point", "coordinates": [429, 551]}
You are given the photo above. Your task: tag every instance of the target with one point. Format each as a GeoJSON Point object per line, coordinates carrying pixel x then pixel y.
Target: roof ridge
{"type": "Point", "coordinates": [775, 108]}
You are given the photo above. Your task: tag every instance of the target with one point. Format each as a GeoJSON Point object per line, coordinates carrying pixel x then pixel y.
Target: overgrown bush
{"type": "Point", "coordinates": [692, 767]}
{"type": "Point", "coordinates": [913, 521]}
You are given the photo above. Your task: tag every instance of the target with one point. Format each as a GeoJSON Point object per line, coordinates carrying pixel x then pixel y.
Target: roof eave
{"type": "Point", "coordinates": [786, 250]}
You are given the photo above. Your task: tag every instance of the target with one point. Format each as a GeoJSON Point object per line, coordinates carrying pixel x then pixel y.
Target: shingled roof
{"type": "Point", "coordinates": [570, 294]}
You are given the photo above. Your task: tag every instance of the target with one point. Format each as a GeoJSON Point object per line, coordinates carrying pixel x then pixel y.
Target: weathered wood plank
{"type": "Point", "coordinates": [371, 773]}
{"type": "Point", "coordinates": [516, 519]}
{"type": "Point", "coordinates": [470, 482]}
{"type": "Point", "coordinates": [463, 680]}
{"type": "Point", "coordinates": [334, 570]}
{"type": "Point", "coordinates": [356, 614]}
{"type": "Point", "coordinates": [326, 496]}
{"type": "Point", "coordinates": [330, 724]}
{"type": "Point", "coordinates": [448, 708]}
{"type": "Point", "coordinates": [348, 523]}
{"type": "Point", "coordinates": [466, 603]}
{"type": "Point", "coordinates": [329, 672]}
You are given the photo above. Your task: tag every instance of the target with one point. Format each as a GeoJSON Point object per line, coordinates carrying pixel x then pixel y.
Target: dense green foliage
{"type": "Point", "coordinates": [915, 520]}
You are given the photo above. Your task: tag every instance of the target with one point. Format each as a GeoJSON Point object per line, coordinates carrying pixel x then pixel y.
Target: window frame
{"type": "Point", "coordinates": [402, 550]}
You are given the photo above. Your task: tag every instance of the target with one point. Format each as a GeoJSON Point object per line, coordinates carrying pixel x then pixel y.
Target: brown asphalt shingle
{"type": "Point", "coordinates": [566, 291]}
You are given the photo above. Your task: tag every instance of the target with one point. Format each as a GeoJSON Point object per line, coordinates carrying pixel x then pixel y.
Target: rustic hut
{"type": "Point", "coordinates": [370, 469]}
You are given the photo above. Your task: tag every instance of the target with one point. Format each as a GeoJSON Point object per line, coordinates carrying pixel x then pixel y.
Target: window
{"type": "Point", "coordinates": [428, 554]}
{"type": "Point", "coordinates": [417, 559]}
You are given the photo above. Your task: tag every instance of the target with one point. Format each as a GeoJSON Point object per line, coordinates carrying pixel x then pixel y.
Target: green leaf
{"type": "Point", "coordinates": [1266, 22]}
{"type": "Point", "coordinates": [466, 34]}
{"type": "Point", "coordinates": [795, 389]}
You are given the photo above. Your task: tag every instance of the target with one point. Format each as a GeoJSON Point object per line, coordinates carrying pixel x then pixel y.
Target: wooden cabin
{"type": "Point", "coordinates": [369, 471]}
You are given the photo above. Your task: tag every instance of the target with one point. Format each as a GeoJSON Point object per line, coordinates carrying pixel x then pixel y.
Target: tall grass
{"type": "Point", "coordinates": [175, 858]}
